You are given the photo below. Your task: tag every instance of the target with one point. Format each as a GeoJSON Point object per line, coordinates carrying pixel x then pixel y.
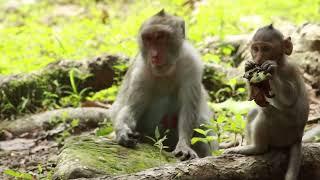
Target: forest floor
{"type": "Point", "coordinates": [38, 156]}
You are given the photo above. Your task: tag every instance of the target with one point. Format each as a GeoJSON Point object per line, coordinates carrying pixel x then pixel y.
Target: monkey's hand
{"type": "Point", "coordinates": [184, 152]}
{"type": "Point", "coordinates": [127, 138]}
{"type": "Point", "coordinates": [250, 68]}
{"type": "Point", "coordinates": [269, 66]}
{"type": "Point", "coordinates": [249, 65]}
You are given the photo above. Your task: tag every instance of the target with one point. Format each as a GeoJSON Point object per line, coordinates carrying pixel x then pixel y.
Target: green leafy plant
{"type": "Point", "coordinates": [105, 95]}
{"type": "Point", "coordinates": [75, 97]}
{"type": "Point", "coordinates": [236, 125]}
{"type": "Point", "coordinates": [104, 129]}
{"type": "Point", "coordinates": [231, 90]}
{"type": "Point", "coordinates": [18, 175]}
{"type": "Point", "coordinates": [41, 174]}
{"type": "Point", "coordinates": [69, 129]}
{"type": "Point", "coordinates": [69, 126]}
{"type": "Point", "coordinates": [206, 137]}
{"type": "Point", "coordinates": [228, 123]}
{"type": "Point", "coordinates": [158, 141]}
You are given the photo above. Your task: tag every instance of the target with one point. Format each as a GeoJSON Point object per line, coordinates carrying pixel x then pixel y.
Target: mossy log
{"type": "Point", "coordinates": [272, 165]}
{"type": "Point", "coordinates": [91, 156]}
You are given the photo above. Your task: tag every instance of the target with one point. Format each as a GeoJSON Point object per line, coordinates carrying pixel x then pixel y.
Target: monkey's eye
{"type": "Point", "coordinates": [146, 38]}
{"type": "Point", "coordinates": [254, 48]}
{"type": "Point", "coordinates": [266, 48]}
{"type": "Point", "coordinates": [161, 35]}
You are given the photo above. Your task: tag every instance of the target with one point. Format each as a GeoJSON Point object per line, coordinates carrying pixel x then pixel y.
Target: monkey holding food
{"type": "Point", "coordinates": [279, 123]}
{"type": "Point", "coordinates": [163, 87]}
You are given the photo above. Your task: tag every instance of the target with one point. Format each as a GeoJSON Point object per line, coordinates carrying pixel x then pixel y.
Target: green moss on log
{"type": "Point", "coordinates": [91, 156]}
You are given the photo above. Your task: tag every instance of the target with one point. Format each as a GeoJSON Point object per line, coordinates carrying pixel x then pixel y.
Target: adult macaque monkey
{"type": "Point", "coordinates": [281, 122]}
{"type": "Point", "coordinates": [163, 88]}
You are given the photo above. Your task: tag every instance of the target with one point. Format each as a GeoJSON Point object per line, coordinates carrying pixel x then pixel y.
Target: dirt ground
{"type": "Point", "coordinates": [37, 157]}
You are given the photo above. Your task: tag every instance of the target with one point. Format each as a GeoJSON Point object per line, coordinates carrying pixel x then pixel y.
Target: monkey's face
{"type": "Point", "coordinates": [160, 41]}
{"type": "Point", "coordinates": [266, 46]}
{"type": "Point", "coordinates": [160, 48]}
{"type": "Point", "coordinates": [262, 51]}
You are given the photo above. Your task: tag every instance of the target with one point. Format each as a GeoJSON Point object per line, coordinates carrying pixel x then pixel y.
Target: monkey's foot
{"type": "Point", "coordinates": [184, 152]}
{"type": "Point", "coordinates": [291, 176]}
{"type": "Point", "coordinates": [246, 150]}
{"type": "Point", "coordinates": [234, 150]}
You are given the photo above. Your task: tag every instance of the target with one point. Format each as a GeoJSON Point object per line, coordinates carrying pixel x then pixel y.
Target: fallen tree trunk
{"type": "Point", "coordinates": [31, 126]}
{"type": "Point", "coordinates": [272, 165]}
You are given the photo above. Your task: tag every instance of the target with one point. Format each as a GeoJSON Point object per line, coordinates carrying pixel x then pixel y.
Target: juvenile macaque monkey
{"type": "Point", "coordinates": [281, 122]}
{"type": "Point", "coordinates": [163, 88]}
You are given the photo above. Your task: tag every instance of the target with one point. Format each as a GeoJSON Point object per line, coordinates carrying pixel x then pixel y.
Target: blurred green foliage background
{"type": "Point", "coordinates": [36, 32]}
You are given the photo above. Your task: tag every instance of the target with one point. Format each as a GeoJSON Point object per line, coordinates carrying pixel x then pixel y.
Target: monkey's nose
{"type": "Point", "coordinates": [259, 61]}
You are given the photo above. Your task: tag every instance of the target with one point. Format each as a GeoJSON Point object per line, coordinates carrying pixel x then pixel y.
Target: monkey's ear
{"type": "Point", "coordinates": [287, 46]}
{"type": "Point", "coordinates": [161, 13]}
{"type": "Point", "coordinates": [183, 28]}
{"type": "Point", "coordinates": [270, 26]}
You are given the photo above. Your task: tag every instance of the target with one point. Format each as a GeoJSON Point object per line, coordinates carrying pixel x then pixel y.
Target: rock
{"type": "Point", "coordinates": [91, 156]}
{"type": "Point", "coordinates": [307, 38]}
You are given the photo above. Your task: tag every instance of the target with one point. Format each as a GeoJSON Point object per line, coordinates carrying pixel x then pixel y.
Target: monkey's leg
{"type": "Point", "coordinates": [294, 162]}
{"type": "Point", "coordinates": [250, 117]}
{"type": "Point", "coordinates": [190, 98]}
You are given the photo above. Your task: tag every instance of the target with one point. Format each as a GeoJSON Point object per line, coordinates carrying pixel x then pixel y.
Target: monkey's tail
{"type": "Point", "coordinates": [294, 164]}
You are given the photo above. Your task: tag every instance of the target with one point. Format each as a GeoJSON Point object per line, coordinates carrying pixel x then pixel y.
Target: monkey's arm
{"type": "Point", "coordinates": [284, 82]}
{"type": "Point", "coordinates": [131, 102]}
{"type": "Point", "coordinates": [189, 98]}
{"type": "Point", "coordinates": [127, 117]}
{"type": "Point", "coordinates": [286, 90]}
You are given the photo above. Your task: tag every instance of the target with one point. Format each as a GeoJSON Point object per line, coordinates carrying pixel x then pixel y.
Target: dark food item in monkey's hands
{"type": "Point", "coordinates": [259, 85]}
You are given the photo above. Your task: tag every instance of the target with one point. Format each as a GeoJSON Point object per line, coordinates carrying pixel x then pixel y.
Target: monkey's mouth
{"type": "Point", "coordinates": [159, 67]}
{"type": "Point", "coordinates": [162, 70]}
